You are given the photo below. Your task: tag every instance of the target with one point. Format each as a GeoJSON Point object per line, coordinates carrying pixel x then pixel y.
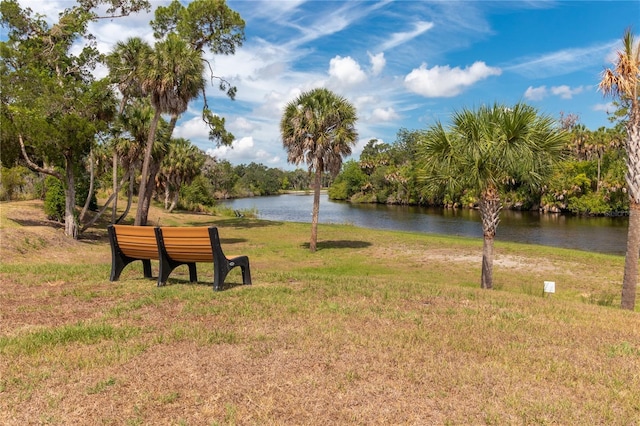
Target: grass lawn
{"type": "Point", "coordinates": [376, 327]}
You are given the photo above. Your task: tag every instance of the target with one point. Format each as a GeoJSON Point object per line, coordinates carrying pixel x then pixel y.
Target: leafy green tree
{"type": "Point", "coordinates": [623, 83]}
{"type": "Point", "coordinates": [206, 25]}
{"type": "Point", "coordinates": [197, 195]}
{"type": "Point", "coordinates": [299, 179]}
{"type": "Point", "coordinates": [349, 182]}
{"type": "Point", "coordinates": [485, 150]}
{"type": "Point", "coordinates": [12, 180]}
{"type": "Point", "coordinates": [222, 176]}
{"type": "Point", "coordinates": [54, 106]}
{"type": "Point", "coordinates": [318, 128]}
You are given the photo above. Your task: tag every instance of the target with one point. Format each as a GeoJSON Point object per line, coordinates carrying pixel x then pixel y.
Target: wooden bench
{"type": "Point", "coordinates": [172, 247]}
{"type": "Point", "coordinates": [131, 243]}
{"type": "Point", "coordinates": [181, 245]}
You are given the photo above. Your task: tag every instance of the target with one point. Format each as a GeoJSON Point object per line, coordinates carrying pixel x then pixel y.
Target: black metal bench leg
{"type": "Point", "coordinates": [193, 273]}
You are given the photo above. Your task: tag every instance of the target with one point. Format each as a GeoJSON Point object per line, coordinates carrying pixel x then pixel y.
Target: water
{"type": "Point", "coordinates": [596, 234]}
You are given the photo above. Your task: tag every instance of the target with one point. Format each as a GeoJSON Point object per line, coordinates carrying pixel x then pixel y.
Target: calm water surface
{"type": "Point", "coordinates": [597, 234]}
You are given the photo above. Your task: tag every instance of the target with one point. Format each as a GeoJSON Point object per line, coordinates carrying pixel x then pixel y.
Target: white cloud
{"type": "Point", "coordinates": [384, 114]}
{"type": "Point", "coordinates": [397, 39]}
{"type": "Point", "coordinates": [378, 62]}
{"type": "Point", "coordinates": [566, 92]}
{"type": "Point", "coordinates": [445, 81]}
{"type": "Point", "coordinates": [536, 93]}
{"type": "Point", "coordinates": [563, 61]}
{"type": "Point", "coordinates": [541, 92]}
{"type": "Point", "coordinates": [243, 125]}
{"type": "Point", "coordinates": [194, 128]}
{"type": "Point", "coordinates": [346, 71]}
{"type": "Point", "coordinates": [244, 151]}
{"type": "Point", "coordinates": [609, 107]}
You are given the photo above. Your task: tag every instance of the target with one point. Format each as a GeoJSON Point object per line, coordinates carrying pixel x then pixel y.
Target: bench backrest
{"type": "Point", "coordinates": [190, 244]}
{"type": "Point", "coordinates": [138, 242]}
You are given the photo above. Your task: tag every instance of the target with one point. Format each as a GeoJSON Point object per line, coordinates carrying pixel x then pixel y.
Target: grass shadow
{"type": "Point", "coordinates": [339, 244]}
{"type": "Point", "coordinates": [232, 240]}
{"type": "Point", "coordinates": [186, 282]}
{"type": "Point", "coordinates": [36, 222]}
{"type": "Point", "coordinates": [244, 223]}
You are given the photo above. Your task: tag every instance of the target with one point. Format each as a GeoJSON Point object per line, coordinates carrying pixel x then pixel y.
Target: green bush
{"type": "Point", "coordinates": [196, 195]}
{"type": "Point", "coordinates": [591, 204]}
{"type": "Point", "coordinates": [12, 182]}
{"type": "Point", "coordinates": [54, 199]}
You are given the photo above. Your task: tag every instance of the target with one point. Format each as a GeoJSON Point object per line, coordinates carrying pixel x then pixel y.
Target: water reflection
{"type": "Point", "coordinates": [597, 234]}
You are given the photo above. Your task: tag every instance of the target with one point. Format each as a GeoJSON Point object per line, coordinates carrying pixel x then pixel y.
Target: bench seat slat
{"type": "Point", "coordinates": [133, 231]}
{"type": "Point", "coordinates": [187, 233]}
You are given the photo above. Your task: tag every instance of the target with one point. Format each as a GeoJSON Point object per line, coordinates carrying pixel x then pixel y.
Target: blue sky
{"type": "Point", "coordinates": [403, 64]}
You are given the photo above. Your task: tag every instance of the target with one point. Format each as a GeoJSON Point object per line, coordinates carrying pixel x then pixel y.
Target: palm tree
{"type": "Point", "coordinates": [172, 77]}
{"type": "Point", "coordinates": [124, 63]}
{"type": "Point", "coordinates": [485, 151]}
{"type": "Point", "coordinates": [136, 121]}
{"type": "Point", "coordinates": [623, 82]}
{"type": "Point", "coordinates": [318, 128]}
{"type": "Point", "coordinates": [179, 167]}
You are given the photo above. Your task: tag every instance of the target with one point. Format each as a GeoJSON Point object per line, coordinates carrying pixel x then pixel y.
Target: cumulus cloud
{"type": "Point", "coordinates": [194, 128]}
{"type": "Point", "coordinates": [536, 93]}
{"type": "Point", "coordinates": [446, 82]}
{"type": "Point", "coordinates": [346, 71]}
{"type": "Point", "coordinates": [243, 151]}
{"type": "Point", "coordinates": [243, 125]}
{"type": "Point", "coordinates": [378, 62]}
{"type": "Point", "coordinates": [566, 92]}
{"type": "Point", "coordinates": [384, 114]}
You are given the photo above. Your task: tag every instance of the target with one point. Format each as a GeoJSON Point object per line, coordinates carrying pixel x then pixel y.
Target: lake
{"type": "Point", "coordinates": [596, 234]}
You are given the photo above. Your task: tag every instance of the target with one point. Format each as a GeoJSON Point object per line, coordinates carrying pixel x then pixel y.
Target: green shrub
{"type": "Point", "coordinates": [196, 195]}
{"type": "Point", "coordinates": [12, 181]}
{"type": "Point", "coordinates": [54, 199]}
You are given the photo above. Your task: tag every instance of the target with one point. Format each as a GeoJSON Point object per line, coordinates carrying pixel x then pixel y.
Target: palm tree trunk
{"type": "Point", "coordinates": [490, 207]}
{"type": "Point", "coordinates": [486, 279]}
{"type": "Point", "coordinates": [316, 209]}
{"type": "Point", "coordinates": [129, 197]}
{"type": "Point", "coordinates": [114, 178]}
{"type": "Point", "coordinates": [630, 280]}
{"type": "Point", "coordinates": [146, 203]}
{"type": "Point", "coordinates": [174, 202]}
{"type": "Point", "coordinates": [141, 212]}
{"type": "Point", "coordinates": [167, 195]}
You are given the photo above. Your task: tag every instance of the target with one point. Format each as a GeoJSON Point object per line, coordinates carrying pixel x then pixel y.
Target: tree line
{"type": "Point", "coordinates": [588, 179]}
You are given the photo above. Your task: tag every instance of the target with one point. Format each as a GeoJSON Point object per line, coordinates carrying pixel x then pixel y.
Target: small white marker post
{"type": "Point", "coordinates": [549, 287]}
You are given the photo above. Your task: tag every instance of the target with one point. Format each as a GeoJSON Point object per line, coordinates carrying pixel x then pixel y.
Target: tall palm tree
{"type": "Point", "coordinates": [623, 82]}
{"type": "Point", "coordinates": [486, 150]}
{"type": "Point", "coordinates": [124, 64]}
{"type": "Point", "coordinates": [318, 128]}
{"type": "Point", "coordinates": [136, 122]}
{"type": "Point", "coordinates": [172, 77]}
